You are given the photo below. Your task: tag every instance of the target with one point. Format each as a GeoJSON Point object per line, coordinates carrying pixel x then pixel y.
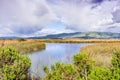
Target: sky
{"type": "Point", "coordinates": [43, 17]}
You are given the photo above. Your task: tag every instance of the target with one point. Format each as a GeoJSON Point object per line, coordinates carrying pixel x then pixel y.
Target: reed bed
{"type": "Point", "coordinates": [81, 40]}
{"type": "Point", "coordinates": [23, 47]}
{"type": "Point", "coordinates": [101, 52]}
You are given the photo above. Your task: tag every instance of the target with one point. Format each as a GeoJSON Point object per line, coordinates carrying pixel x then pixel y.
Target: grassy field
{"type": "Point", "coordinates": [23, 47]}
{"type": "Point", "coordinates": [101, 52]}
{"type": "Point", "coordinates": [81, 40]}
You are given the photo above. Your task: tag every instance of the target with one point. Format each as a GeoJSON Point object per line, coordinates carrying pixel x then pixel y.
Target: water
{"type": "Point", "coordinates": [53, 53]}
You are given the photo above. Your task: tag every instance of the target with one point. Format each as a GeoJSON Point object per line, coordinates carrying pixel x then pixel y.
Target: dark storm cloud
{"type": "Point", "coordinates": [74, 1]}
{"type": "Point", "coordinates": [97, 1]}
{"type": "Point", "coordinates": [25, 29]}
{"type": "Point", "coordinates": [116, 16]}
{"type": "Point", "coordinates": [41, 10]}
{"type": "Point", "coordinates": [113, 29]}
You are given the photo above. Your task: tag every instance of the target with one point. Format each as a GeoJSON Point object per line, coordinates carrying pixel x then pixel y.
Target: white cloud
{"type": "Point", "coordinates": [83, 16]}
{"type": "Point", "coordinates": [21, 15]}
{"type": "Point", "coordinates": [30, 17]}
{"type": "Point", "coordinates": [44, 32]}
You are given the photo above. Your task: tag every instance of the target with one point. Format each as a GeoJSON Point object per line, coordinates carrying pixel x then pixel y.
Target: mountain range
{"type": "Point", "coordinates": [85, 35]}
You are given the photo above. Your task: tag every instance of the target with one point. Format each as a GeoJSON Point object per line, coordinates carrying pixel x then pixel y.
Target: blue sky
{"type": "Point", "coordinates": [43, 17]}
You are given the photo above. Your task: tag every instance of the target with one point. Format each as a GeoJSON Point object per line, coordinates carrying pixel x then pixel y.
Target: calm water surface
{"type": "Point", "coordinates": [53, 53]}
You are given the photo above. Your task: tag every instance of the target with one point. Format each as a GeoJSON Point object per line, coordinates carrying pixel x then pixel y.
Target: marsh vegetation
{"type": "Point", "coordinates": [23, 46]}
{"type": "Point", "coordinates": [77, 40]}
{"type": "Point", "coordinates": [99, 61]}
{"type": "Point", "coordinates": [101, 52]}
{"type": "Point", "coordinates": [13, 66]}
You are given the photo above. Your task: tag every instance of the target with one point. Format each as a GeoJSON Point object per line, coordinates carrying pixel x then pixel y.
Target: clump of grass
{"type": "Point", "coordinates": [101, 53]}
{"type": "Point", "coordinates": [28, 47]}
{"type": "Point", "coordinates": [24, 47]}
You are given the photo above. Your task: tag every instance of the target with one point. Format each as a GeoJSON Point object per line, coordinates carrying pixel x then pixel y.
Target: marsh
{"type": "Point", "coordinates": [54, 52]}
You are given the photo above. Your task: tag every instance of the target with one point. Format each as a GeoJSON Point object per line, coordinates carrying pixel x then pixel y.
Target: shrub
{"type": "Point", "coordinates": [79, 71]}
{"type": "Point", "coordinates": [13, 66]}
{"type": "Point", "coordinates": [100, 73]}
{"type": "Point", "coordinates": [83, 65]}
{"type": "Point", "coordinates": [21, 39]}
{"type": "Point", "coordinates": [60, 71]}
{"type": "Point", "coordinates": [116, 65]}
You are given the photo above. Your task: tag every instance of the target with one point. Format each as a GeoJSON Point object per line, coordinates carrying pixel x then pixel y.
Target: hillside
{"type": "Point", "coordinates": [85, 35]}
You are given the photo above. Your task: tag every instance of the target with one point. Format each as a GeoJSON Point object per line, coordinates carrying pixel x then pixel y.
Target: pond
{"type": "Point", "coordinates": [54, 52]}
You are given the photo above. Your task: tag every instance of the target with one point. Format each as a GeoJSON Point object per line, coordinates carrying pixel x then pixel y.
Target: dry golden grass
{"type": "Point", "coordinates": [101, 52]}
{"type": "Point", "coordinates": [23, 47]}
{"type": "Point", "coordinates": [81, 40]}
{"type": "Point", "coordinates": [5, 42]}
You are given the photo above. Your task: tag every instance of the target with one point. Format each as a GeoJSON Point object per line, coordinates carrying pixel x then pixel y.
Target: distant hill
{"type": "Point", "coordinates": [85, 35]}
{"type": "Point", "coordinates": [12, 37]}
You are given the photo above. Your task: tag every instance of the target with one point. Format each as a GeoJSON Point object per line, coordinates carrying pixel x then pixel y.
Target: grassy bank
{"type": "Point", "coordinates": [23, 47]}
{"type": "Point", "coordinates": [81, 40]}
{"type": "Point", "coordinates": [101, 52]}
